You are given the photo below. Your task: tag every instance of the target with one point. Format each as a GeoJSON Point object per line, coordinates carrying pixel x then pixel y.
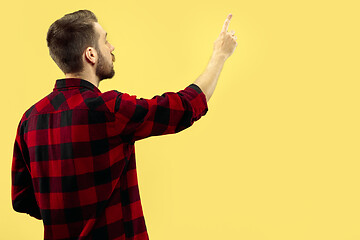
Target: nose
{"type": "Point", "coordinates": [112, 48]}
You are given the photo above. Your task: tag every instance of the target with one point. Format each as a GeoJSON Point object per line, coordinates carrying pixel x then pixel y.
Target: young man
{"type": "Point", "coordinates": [74, 159]}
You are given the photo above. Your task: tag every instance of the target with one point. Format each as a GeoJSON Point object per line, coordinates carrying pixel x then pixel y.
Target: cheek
{"type": "Point", "coordinates": [106, 50]}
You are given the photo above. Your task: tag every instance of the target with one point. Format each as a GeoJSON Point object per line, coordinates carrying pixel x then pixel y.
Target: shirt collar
{"type": "Point", "coordinates": [67, 83]}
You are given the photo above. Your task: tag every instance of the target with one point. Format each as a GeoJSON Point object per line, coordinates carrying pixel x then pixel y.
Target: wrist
{"type": "Point", "coordinates": [218, 56]}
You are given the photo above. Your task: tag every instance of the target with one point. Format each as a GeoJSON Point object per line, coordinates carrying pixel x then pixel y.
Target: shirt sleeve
{"type": "Point", "coordinates": [22, 192]}
{"type": "Point", "coordinates": [169, 113]}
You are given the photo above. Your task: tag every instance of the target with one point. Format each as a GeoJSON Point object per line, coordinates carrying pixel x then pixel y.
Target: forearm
{"type": "Point", "coordinates": [208, 79]}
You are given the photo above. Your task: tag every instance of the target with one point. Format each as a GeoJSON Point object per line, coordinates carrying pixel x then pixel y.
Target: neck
{"type": "Point", "coordinates": [88, 77]}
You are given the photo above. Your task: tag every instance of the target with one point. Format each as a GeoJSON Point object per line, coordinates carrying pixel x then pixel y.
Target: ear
{"type": "Point", "coordinates": [91, 55]}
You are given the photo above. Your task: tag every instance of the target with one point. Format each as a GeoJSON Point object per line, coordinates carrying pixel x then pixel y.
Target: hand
{"type": "Point", "coordinates": [226, 43]}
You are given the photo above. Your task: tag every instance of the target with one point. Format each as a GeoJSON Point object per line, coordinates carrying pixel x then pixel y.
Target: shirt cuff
{"type": "Point", "coordinates": [198, 101]}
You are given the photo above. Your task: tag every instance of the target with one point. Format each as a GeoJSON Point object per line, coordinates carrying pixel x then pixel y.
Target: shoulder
{"type": "Point", "coordinates": [36, 108]}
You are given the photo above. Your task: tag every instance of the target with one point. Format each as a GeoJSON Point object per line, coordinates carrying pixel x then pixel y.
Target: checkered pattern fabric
{"type": "Point", "coordinates": [74, 159]}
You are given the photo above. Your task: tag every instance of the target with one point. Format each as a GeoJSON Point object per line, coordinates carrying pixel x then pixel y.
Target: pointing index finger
{"type": "Point", "coordinates": [226, 24]}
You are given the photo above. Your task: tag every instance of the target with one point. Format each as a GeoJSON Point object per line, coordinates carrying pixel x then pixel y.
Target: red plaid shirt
{"type": "Point", "coordinates": [74, 159]}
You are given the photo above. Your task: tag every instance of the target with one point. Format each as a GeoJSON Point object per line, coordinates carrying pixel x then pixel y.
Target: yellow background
{"type": "Point", "coordinates": [277, 155]}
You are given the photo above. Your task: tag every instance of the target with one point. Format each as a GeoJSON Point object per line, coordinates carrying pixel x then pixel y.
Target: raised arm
{"type": "Point", "coordinates": [224, 46]}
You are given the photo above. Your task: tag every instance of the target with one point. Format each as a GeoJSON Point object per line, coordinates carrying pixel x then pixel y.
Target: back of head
{"type": "Point", "coordinates": [69, 36]}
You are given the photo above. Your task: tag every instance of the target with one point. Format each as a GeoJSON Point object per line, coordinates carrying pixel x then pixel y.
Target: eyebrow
{"type": "Point", "coordinates": [105, 35]}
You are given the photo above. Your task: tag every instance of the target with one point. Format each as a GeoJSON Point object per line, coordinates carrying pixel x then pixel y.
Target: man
{"type": "Point", "coordinates": [74, 159]}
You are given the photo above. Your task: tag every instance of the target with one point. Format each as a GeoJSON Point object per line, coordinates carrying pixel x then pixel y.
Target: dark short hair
{"type": "Point", "coordinates": [69, 36]}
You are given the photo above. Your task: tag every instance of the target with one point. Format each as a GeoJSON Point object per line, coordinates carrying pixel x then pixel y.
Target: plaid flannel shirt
{"type": "Point", "coordinates": [74, 159]}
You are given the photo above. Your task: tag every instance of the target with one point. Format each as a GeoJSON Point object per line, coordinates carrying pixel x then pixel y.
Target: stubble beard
{"type": "Point", "coordinates": [102, 70]}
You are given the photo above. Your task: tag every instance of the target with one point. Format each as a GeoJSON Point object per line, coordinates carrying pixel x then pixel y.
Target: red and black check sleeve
{"type": "Point", "coordinates": [169, 113]}
{"type": "Point", "coordinates": [22, 191]}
